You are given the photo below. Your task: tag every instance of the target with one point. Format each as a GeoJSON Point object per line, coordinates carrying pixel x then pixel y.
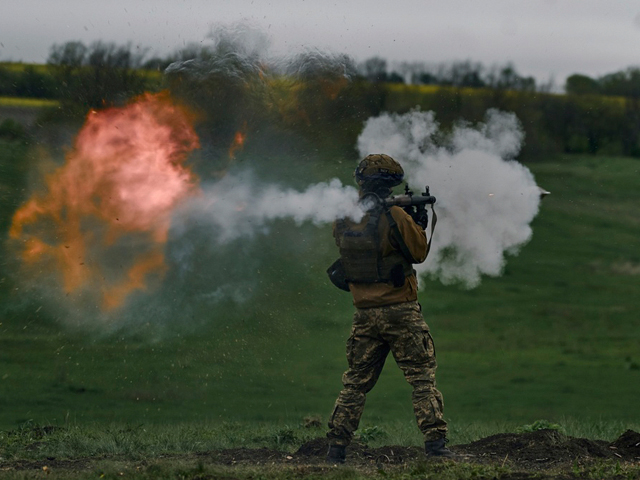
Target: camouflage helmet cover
{"type": "Point", "coordinates": [381, 168]}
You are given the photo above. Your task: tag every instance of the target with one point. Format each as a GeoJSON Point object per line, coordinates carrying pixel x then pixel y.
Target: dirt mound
{"type": "Point", "coordinates": [314, 448]}
{"type": "Point", "coordinates": [253, 456]}
{"type": "Point", "coordinates": [533, 450]}
{"type": "Point", "coordinates": [627, 445]}
{"type": "Point", "coordinates": [396, 455]}
{"type": "Point", "coordinates": [359, 453]}
{"type": "Point", "coordinates": [540, 448]}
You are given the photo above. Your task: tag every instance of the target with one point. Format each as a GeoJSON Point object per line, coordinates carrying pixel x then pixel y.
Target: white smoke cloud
{"type": "Point", "coordinates": [237, 206]}
{"type": "Point", "coordinates": [486, 200]}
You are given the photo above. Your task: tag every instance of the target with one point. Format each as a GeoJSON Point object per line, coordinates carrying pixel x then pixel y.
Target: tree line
{"type": "Point", "coordinates": [625, 83]}
{"type": "Point", "coordinates": [455, 74]}
{"type": "Point", "coordinates": [596, 115]}
{"type": "Point", "coordinates": [102, 71]}
{"type": "Point", "coordinates": [95, 75]}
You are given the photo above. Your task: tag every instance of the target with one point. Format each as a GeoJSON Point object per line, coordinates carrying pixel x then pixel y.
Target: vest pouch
{"type": "Point", "coordinates": [359, 254]}
{"type": "Point", "coordinates": [396, 275]}
{"type": "Point", "coordinates": [395, 269]}
{"type": "Point", "coordinates": [338, 276]}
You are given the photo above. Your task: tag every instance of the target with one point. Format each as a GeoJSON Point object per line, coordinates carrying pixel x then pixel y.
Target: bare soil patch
{"type": "Point", "coordinates": [539, 454]}
{"type": "Point", "coordinates": [535, 451]}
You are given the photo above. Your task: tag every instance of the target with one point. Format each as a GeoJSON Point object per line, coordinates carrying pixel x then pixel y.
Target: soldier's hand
{"type": "Point", "coordinates": [422, 219]}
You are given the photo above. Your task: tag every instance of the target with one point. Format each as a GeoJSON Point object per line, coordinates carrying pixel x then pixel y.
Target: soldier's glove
{"type": "Point", "coordinates": [422, 219]}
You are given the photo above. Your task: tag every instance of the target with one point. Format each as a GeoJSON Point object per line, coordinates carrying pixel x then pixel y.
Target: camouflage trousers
{"type": "Point", "coordinates": [401, 330]}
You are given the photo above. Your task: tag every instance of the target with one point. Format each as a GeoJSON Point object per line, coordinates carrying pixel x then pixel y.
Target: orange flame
{"type": "Point", "coordinates": [122, 179]}
{"type": "Point", "coordinates": [238, 141]}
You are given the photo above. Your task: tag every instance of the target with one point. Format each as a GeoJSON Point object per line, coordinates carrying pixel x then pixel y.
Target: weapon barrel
{"type": "Point", "coordinates": [407, 201]}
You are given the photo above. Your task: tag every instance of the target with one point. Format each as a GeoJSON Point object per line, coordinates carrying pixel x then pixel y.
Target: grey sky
{"type": "Point", "coordinates": [543, 38]}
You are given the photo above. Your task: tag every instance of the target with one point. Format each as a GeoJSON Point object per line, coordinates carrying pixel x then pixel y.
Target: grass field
{"type": "Point", "coordinates": [556, 338]}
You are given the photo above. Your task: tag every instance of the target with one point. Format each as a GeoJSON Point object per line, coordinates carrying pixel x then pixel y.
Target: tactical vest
{"type": "Point", "coordinates": [361, 252]}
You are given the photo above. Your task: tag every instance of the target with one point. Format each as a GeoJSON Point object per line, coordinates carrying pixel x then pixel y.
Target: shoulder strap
{"type": "Point", "coordinates": [433, 227]}
{"type": "Point", "coordinates": [395, 231]}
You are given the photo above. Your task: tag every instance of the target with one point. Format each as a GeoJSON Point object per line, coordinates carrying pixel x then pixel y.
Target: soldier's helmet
{"type": "Point", "coordinates": [378, 169]}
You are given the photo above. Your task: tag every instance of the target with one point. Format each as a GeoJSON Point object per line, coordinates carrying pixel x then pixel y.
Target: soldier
{"type": "Point", "coordinates": [376, 257]}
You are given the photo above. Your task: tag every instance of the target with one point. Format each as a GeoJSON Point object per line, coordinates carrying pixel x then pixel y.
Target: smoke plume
{"type": "Point", "coordinates": [486, 200]}
{"type": "Point", "coordinates": [237, 206]}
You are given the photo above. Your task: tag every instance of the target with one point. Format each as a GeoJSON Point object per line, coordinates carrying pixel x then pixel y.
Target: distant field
{"type": "Point", "coordinates": [25, 111]}
{"type": "Point", "coordinates": [556, 337]}
{"type": "Point", "coordinates": [27, 102]}
{"type": "Point", "coordinates": [402, 91]}
{"type": "Point", "coordinates": [44, 68]}
{"type": "Point", "coordinates": [20, 67]}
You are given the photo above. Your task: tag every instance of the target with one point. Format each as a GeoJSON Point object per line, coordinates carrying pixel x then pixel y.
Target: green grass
{"type": "Point", "coordinates": [554, 338]}
{"type": "Point", "coordinates": [173, 468]}
{"type": "Point", "coordinates": [189, 452]}
{"type": "Point", "coordinates": [191, 468]}
{"type": "Point", "coordinates": [134, 441]}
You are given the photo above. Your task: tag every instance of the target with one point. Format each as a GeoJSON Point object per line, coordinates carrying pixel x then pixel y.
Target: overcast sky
{"type": "Point", "coordinates": [544, 38]}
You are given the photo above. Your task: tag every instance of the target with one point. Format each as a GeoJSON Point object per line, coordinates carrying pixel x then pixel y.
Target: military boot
{"type": "Point", "coordinates": [337, 454]}
{"type": "Point", "coordinates": [437, 448]}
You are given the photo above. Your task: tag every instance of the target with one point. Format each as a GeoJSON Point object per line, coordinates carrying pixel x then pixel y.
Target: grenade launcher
{"type": "Point", "coordinates": [415, 206]}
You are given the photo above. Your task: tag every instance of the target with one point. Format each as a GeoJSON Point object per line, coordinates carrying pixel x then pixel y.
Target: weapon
{"type": "Point", "coordinates": [415, 206]}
